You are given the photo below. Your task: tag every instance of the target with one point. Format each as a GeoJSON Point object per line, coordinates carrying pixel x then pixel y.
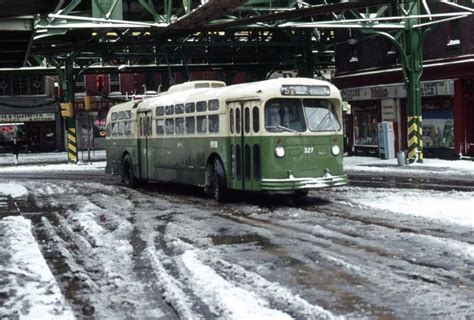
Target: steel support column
{"type": "Point", "coordinates": [413, 64]}
{"type": "Point", "coordinates": [66, 78]}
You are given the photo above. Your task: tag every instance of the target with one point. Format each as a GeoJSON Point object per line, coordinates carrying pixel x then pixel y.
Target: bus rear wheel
{"type": "Point", "coordinates": [128, 178]}
{"type": "Point", "coordinates": [219, 188]}
{"type": "Point", "coordinates": [301, 195]}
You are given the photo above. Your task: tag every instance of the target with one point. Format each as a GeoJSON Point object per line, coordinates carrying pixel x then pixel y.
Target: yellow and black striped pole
{"type": "Point", "coordinates": [71, 144]}
{"type": "Point", "coordinates": [415, 138]}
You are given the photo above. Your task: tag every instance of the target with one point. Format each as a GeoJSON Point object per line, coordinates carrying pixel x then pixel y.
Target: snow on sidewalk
{"type": "Point", "coordinates": [28, 289]}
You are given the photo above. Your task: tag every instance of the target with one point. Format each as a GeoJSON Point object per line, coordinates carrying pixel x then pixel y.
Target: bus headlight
{"type": "Point", "coordinates": [280, 152]}
{"type": "Point", "coordinates": [335, 150]}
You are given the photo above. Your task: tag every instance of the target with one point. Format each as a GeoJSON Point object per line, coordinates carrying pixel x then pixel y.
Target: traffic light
{"type": "Point", "coordinates": [67, 110]}
{"type": "Point", "coordinates": [99, 82]}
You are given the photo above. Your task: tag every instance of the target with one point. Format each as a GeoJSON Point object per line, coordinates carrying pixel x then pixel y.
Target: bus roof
{"type": "Point", "coordinates": [206, 90]}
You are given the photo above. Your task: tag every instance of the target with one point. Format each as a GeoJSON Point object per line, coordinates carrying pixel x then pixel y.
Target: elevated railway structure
{"type": "Point", "coordinates": [257, 36]}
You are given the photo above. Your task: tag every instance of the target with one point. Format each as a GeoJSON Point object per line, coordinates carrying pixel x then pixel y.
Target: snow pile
{"type": "Point", "coordinates": [31, 290]}
{"type": "Point", "coordinates": [448, 206]}
{"type": "Point", "coordinates": [99, 165]}
{"type": "Point", "coordinates": [224, 299]}
{"type": "Point", "coordinates": [13, 189]}
{"type": "Point", "coordinates": [429, 166]}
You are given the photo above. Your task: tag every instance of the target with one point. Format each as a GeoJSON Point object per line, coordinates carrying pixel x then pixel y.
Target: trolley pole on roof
{"type": "Point", "coordinates": [412, 41]}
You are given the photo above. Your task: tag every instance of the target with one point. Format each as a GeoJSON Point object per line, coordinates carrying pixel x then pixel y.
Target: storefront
{"type": "Point", "coordinates": [33, 131]}
{"type": "Point", "coordinates": [371, 105]}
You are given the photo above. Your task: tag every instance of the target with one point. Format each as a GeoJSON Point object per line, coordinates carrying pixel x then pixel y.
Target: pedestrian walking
{"type": "Point", "coordinates": [15, 150]}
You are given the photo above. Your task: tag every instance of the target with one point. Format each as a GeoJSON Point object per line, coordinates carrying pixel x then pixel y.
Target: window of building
{"type": "Point", "coordinates": [365, 125]}
{"type": "Point", "coordinates": [20, 85]}
{"type": "Point", "coordinates": [5, 86]}
{"type": "Point", "coordinates": [114, 82]}
{"type": "Point", "coordinates": [80, 85]}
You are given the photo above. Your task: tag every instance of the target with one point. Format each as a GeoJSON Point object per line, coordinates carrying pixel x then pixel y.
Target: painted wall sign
{"type": "Point", "coordinates": [395, 91]}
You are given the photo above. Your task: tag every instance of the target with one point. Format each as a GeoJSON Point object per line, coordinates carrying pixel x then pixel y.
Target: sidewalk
{"type": "Point", "coordinates": [442, 169]}
{"type": "Point", "coordinates": [6, 159]}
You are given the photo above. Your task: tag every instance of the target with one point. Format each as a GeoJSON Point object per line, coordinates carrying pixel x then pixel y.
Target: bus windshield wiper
{"type": "Point", "coordinates": [286, 129]}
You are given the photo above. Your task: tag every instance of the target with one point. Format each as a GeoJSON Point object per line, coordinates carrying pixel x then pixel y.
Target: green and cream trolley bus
{"type": "Point", "coordinates": [273, 135]}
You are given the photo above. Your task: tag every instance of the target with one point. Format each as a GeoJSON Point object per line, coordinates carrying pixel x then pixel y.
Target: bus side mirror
{"type": "Point", "coordinates": [346, 107]}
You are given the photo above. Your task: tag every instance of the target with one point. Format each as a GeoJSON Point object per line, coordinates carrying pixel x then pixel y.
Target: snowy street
{"type": "Point", "coordinates": [98, 249]}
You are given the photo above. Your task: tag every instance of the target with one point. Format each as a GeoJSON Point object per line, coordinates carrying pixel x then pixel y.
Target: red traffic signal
{"type": "Point", "coordinates": [99, 82]}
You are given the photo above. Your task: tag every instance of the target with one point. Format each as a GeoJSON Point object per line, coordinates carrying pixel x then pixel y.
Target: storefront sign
{"type": "Point", "coordinates": [26, 117]}
{"type": "Point", "coordinates": [395, 91]}
{"type": "Point", "coordinates": [389, 110]}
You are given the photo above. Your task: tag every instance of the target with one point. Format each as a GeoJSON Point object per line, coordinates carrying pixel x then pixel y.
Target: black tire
{"type": "Point", "coordinates": [219, 186]}
{"type": "Point", "coordinates": [301, 195]}
{"type": "Point", "coordinates": [128, 178]}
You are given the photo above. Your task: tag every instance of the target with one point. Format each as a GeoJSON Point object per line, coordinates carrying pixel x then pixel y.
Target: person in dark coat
{"type": "Point", "coordinates": [15, 150]}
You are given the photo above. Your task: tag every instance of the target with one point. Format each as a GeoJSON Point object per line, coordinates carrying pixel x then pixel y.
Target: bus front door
{"type": "Point", "coordinates": [144, 133]}
{"type": "Point", "coordinates": [245, 144]}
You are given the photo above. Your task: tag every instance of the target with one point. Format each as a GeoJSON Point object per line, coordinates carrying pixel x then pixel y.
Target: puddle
{"type": "Point", "coordinates": [240, 239]}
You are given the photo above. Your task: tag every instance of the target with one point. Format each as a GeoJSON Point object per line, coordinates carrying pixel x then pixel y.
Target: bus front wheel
{"type": "Point", "coordinates": [218, 182]}
{"type": "Point", "coordinates": [128, 178]}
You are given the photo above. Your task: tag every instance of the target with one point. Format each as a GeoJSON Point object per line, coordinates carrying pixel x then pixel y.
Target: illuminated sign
{"type": "Point", "coordinates": [26, 117]}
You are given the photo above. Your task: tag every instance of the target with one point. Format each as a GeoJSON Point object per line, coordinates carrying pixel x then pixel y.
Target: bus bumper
{"type": "Point", "coordinates": [292, 183]}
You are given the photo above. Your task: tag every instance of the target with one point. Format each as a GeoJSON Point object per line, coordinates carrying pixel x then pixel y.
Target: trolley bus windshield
{"type": "Point", "coordinates": [284, 115]}
{"type": "Point", "coordinates": [287, 115]}
{"type": "Point", "coordinates": [321, 115]}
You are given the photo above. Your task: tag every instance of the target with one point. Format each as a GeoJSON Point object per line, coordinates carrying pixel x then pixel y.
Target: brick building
{"type": "Point", "coordinates": [369, 73]}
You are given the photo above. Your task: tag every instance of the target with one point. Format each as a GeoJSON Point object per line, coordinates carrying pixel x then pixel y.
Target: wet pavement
{"type": "Point", "coordinates": [168, 252]}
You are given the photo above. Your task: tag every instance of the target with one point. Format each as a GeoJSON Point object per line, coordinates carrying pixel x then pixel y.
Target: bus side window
{"type": "Point", "coordinates": [201, 124]}
{"type": "Point", "coordinates": [232, 121]}
{"type": "Point", "coordinates": [114, 116]}
{"type": "Point", "coordinates": [213, 104]}
{"type": "Point", "coordinates": [179, 126]}
{"type": "Point", "coordinates": [114, 129]}
{"type": "Point", "coordinates": [201, 106]}
{"type": "Point", "coordinates": [169, 110]}
{"type": "Point", "coordinates": [256, 119]}
{"type": "Point", "coordinates": [247, 120]}
{"type": "Point", "coordinates": [160, 111]}
{"type": "Point", "coordinates": [160, 126]}
{"type": "Point", "coordinates": [128, 128]}
{"type": "Point", "coordinates": [108, 130]}
{"type": "Point", "coordinates": [169, 126]}
{"type": "Point", "coordinates": [121, 128]}
{"type": "Point", "coordinates": [237, 120]}
{"type": "Point", "coordinates": [189, 107]}
{"type": "Point", "coordinates": [179, 108]}
{"type": "Point", "coordinates": [190, 125]}
{"type": "Point", "coordinates": [149, 126]}
{"type": "Point", "coordinates": [214, 123]}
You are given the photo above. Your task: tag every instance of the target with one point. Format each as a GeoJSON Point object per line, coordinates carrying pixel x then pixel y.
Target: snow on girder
{"type": "Point", "coordinates": [201, 16]}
